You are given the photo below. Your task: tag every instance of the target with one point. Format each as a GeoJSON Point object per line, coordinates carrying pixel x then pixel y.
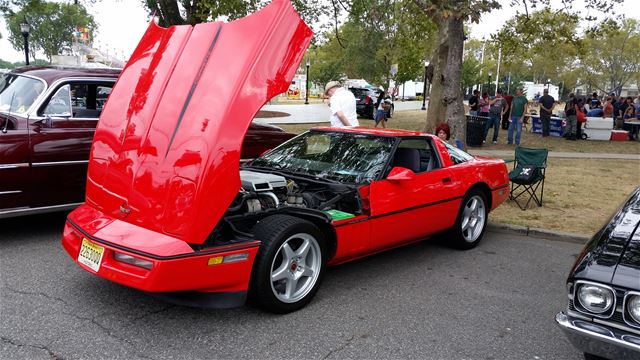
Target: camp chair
{"type": "Point", "coordinates": [528, 175]}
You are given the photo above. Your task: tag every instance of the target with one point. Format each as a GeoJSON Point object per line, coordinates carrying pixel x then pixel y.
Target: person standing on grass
{"type": "Point", "coordinates": [518, 109]}
{"type": "Point", "coordinates": [505, 118]}
{"type": "Point", "coordinates": [572, 119]}
{"type": "Point", "coordinates": [380, 116]}
{"type": "Point", "coordinates": [483, 104]}
{"type": "Point", "coordinates": [497, 109]}
{"type": "Point", "coordinates": [342, 104]}
{"type": "Point", "coordinates": [547, 103]}
{"type": "Point", "coordinates": [473, 103]}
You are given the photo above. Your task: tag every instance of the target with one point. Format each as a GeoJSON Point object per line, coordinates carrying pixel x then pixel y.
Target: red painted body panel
{"type": "Point", "coordinates": [168, 143]}
{"type": "Point", "coordinates": [180, 273]}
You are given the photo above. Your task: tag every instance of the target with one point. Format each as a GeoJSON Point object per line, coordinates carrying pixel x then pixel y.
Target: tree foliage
{"type": "Point", "coordinates": [52, 25]}
{"type": "Point", "coordinates": [612, 60]}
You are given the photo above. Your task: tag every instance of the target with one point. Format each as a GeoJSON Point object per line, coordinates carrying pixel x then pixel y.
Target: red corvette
{"type": "Point", "coordinates": [168, 212]}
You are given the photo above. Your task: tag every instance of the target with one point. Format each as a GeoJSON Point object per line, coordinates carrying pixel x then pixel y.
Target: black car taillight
{"type": "Point", "coordinates": [367, 100]}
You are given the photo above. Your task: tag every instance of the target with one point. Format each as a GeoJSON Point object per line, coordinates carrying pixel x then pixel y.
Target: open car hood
{"type": "Point", "coordinates": [166, 151]}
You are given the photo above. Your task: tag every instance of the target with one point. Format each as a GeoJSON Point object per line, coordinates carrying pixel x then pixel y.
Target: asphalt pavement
{"type": "Point", "coordinates": [425, 300]}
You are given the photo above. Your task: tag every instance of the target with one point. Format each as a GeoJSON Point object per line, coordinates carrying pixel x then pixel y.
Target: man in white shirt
{"type": "Point", "coordinates": [342, 104]}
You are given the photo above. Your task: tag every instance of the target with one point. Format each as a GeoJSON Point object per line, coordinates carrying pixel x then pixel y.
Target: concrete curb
{"type": "Point", "coordinates": [536, 232]}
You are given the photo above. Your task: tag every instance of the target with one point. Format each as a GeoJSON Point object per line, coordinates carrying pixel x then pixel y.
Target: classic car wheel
{"type": "Point", "coordinates": [472, 220]}
{"type": "Point", "coordinates": [289, 265]}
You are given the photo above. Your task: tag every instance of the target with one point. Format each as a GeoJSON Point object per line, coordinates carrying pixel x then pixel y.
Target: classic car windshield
{"type": "Point", "coordinates": [346, 157]}
{"type": "Point", "coordinates": [18, 93]}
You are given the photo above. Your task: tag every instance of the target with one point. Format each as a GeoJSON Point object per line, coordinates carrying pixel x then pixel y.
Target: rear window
{"type": "Point", "coordinates": [359, 92]}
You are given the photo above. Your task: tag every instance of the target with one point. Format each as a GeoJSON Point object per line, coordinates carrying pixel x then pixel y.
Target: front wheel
{"type": "Point", "coordinates": [471, 222]}
{"type": "Point", "coordinates": [289, 265]}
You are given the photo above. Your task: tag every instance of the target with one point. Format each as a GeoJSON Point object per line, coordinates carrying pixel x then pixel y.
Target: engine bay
{"type": "Point", "coordinates": [264, 193]}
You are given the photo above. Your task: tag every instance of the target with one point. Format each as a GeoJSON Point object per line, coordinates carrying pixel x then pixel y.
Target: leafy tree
{"type": "Point", "coordinates": [52, 25]}
{"type": "Point", "coordinates": [612, 60]}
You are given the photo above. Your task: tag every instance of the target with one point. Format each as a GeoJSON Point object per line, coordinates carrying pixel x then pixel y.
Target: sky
{"type": "Point", "coordinates": [121, 24]}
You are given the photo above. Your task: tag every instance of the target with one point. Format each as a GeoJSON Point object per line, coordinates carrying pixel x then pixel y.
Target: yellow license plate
{"type": "Point", "coordinates": [90, 255]}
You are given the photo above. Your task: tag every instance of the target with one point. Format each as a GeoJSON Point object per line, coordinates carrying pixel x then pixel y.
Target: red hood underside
{"type": "Point", "coordinates": [166, 150]}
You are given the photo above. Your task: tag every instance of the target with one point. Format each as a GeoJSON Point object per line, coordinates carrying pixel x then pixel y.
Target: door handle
{"type": "Point", "coordinates": [446, 180]}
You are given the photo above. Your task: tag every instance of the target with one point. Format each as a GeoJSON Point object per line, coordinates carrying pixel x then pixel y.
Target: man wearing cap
{"type": "Point", "coordinates": [342, 104]}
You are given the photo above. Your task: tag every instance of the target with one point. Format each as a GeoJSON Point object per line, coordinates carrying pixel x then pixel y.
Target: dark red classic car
{"type": "Point", "coordinates": [48, 117]}
{"type": "Point", "coordinates": [169, 210]}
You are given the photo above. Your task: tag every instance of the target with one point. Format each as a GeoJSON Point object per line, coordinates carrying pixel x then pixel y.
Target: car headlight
{"type": "Point", "coordinates": [596, 299]}
{"type": "Point", "coordinates": [633, 307]}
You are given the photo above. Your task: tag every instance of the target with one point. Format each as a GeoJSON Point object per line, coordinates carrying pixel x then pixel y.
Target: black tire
{"type": "Point", "coordinates": [459, 238]}
{"type": "Point", "coordinates": [273, 232]}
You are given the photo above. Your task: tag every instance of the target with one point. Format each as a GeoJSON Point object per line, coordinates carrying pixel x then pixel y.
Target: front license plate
{"type": "Point", "coordinates": [90, 255]}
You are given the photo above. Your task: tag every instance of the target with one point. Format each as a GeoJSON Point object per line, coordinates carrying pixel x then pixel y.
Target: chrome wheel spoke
{"type": "Point", "coordinates": [303, 250]}
{"type": "Point", "coordinates": [287, 253]}
{"type": "Point", "coordinates": [291, 287]}
{"type": "Point", "coordinates": [308, 272]}
{"type": "Point", "coordinates": [280, 273]}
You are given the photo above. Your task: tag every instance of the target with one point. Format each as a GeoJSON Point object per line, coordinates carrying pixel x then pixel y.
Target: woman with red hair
{"type": "Point", "coordinates": [443, 131]}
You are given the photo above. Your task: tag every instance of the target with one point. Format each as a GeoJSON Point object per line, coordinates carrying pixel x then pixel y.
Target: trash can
{"type": "Point", "coordinates": [475, 129]}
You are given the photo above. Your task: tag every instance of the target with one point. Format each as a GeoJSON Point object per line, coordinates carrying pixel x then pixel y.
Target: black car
{"type": "Point", "coordinates": [366, 99]}
{"type": "Point", "coordinates": [603, 316]}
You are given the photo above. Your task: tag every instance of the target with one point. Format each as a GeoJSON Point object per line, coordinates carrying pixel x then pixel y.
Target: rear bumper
{"type": "Point", "coordinates": [172, 271]}
{"type": "Point", "coordinates": [599, 340]}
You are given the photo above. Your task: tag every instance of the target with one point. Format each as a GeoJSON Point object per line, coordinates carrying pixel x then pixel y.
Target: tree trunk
{"type": "Point", "coordinates": [446, 92]}
{"type": "Point", "coordinates": [436, 110]}
{"type": "Point", "coordinates": [452, 100]}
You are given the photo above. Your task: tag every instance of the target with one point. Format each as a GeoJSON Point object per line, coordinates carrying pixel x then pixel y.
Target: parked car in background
{"type": "Point", "coordinates": [602, 318]}
{"type": "Point", "coordinates": [47, 120]}
{"type": "Point", "coordinates": [366, 99]}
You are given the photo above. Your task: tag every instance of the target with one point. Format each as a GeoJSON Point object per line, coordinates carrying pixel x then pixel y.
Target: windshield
{"type": "Point", "coordinates": [18, 93]}
{"type": "Point", "coordinates": [346, 157]}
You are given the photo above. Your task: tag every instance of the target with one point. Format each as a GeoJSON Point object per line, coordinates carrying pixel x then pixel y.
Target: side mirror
{"type": "Point", "coordinates": [400, 174]}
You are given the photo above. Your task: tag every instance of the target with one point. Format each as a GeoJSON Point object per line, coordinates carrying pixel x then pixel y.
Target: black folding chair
{"type": "Point", "coordinates": [528, 176]}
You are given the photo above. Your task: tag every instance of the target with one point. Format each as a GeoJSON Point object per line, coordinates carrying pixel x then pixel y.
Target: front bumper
{"type": "Point", "coordinates": [176, 270]}
{"type": "Point", "coordinates": [598, 339]}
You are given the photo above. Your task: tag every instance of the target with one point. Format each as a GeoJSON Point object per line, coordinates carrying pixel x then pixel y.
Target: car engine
{"type": "Point", "coordinates": [263, 191]}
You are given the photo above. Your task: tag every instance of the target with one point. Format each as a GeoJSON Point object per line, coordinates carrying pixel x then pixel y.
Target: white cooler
{"type": "Point", "coordinates": [597, 128]}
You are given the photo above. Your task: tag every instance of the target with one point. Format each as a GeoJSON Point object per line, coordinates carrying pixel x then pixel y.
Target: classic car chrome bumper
{"type": "Point", "coordinates": [599, 340]}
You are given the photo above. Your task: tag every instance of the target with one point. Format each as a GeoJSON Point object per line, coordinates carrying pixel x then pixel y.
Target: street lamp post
{"type": "Point", "coordinates": [24, 29]}
{"type": "Point", "coordinates": [306, 96]}
{"type": "Point", "coordinates": [488, 83]}
{"type": "Point", "coordinates": [424, 90]}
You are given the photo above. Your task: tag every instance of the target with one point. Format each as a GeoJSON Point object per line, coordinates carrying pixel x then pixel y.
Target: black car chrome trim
{"type": "Point", "coordinates": [630, 321]}
{"type": "Point", "coordinates": [14, 166]}
{"type": "Point", "coordinates": [400, 211]}
{"type": "Point", "coordinates": [579, 306]}
{"type": "Point", "coordinates": [604, 342]}
{"type": "Point", "coordinates": [56, 163]}
{"type": "Point", "coordinates": [10, 192]}
{"type": "Point", "coordinates": [38, 210]}
{"type": "Point", "coordinates": [616, 325]}
{"type": "Point", "coordinates": [196, 81]}
{"type": "Point", "coordinates": [213, 251]}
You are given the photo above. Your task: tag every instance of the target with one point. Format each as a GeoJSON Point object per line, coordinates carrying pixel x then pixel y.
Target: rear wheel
{"type": "Point", "coordinates": [289, 265]}
{"type": "Point", "coordinates": [472, 220]}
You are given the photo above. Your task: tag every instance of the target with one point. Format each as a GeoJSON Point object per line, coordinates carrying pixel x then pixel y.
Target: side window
{"type": "Point", "coordinates": [60, 103]}
{"type": "Point", "coordinates": [457, 156]}
{"type": "Point", "coordinates": [416, 154]}
{"type": "Point", "coordinates": [88, 99]}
